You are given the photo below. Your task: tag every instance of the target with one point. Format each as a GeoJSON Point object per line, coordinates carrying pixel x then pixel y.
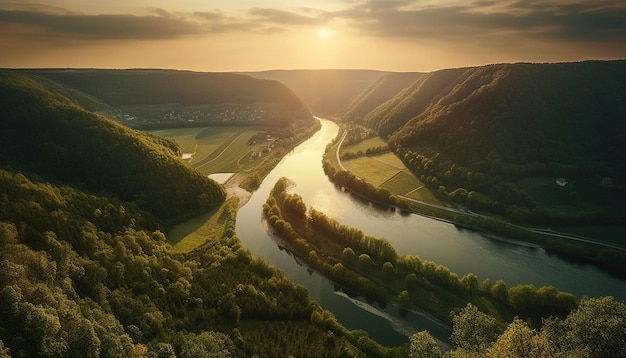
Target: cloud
{"type": "Point", "coordinates": [485, 23]}
{"type": "Point", "coordinates": [282, 17]}
{"type": "Point", "coordinates": [55, 22]}
{"type": "Point", "coordinates": [160, 24]}
{"type": "Point", "coordinates": [570, 21]}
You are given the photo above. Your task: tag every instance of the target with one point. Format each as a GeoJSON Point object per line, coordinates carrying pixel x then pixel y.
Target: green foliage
{"type": "Point", "coordinates": [127, 88]}
{"type": "Point", "coordinates": [499, 291]}
{"type": "Point", "coordinates": [519, 340]}
{"type": "Point", "coordinates": [485, 129]}
{"type": "Point", "coordinates": [423, 345]}
{"type": "Point", "coordinates": [473, 331]}
{"type": "Point", "coordinates": [595, 329]}
{"type": "Point", "coordinates": [85, 275]}
{"type": "Point", "coordinates": [360, 186]}
{"type": "Point", "coordinates": [531, 302]}
{"type": "Point", "coordinates": [206, 345]}
{"type": "Point", "coordinates": [379, 92]}
{"type": "Point", "coordinates": [45, 133]}
{"type": "Point", "coordinates": [371, 267]}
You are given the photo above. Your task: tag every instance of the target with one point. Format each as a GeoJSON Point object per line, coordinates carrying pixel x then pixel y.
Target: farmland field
{"type": "Point", "coordinates": [215, 149]}
{"type": "Point", "coordinates": [364, 145]}
{"type": "Point", "coordinates": [373, 171]}
{"type": "Point", "coordinates": [388, 171]}
{"type": "Point", "coordinates": [402, 183]}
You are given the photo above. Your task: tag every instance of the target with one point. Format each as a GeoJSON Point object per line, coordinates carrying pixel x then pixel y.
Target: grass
{"type": "Point", "coordinates": [192, 233]}
{"type": "Point", "coordinates": [388, 171]}
{"type": "Point", "coordinates": [372, 171]}
{"type": "Point", "coordinates": [216, 149]}
{"type": "Point", "coordinates": [185, 137]}
{"type": "Point", "coordinates": [364, 145]}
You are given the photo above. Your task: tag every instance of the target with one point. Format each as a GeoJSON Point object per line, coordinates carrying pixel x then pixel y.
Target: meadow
{"type": "Point", "coordinates": [190, 234]}
{"type": "Point", "coordinates": [215, 149]}
{"type": "Point", "coordinates": [387, 171]}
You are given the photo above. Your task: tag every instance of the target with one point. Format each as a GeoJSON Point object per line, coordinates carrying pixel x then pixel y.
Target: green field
{"type": "Point", "coordinates": [190, 234]}
{"type": "Point", "coordinates": [215, 149]}
{"type": "Point", "coordinates": [364, 145]}
{"type": "Point", "coordinates": [375, 172]}
{"type": "Point", "coordinates": [388, 171]}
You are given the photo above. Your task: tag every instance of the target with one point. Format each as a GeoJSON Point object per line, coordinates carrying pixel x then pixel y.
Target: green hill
{"type": "Point", "coordinates": [382, 90]}
{"type": "Point", "coordinates": [46, 134]}
{"type": "Point", "coordinates": [85, 270]}
{"type": "Point", "coordinates": [168, 98]}
{"type": "Point", "coordinates": [497, 138]}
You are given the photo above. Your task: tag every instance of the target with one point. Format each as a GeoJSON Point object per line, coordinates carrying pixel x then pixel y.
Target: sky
{"type": "Point", "coordinates": [245, 35]}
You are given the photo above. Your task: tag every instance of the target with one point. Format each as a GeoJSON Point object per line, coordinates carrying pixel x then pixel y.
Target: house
{"type": "Point", "coordinates": [561, 181]}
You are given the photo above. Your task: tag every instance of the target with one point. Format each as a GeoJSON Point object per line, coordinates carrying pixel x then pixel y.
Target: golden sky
{"type": "Point", "coordinates": [246, 35]}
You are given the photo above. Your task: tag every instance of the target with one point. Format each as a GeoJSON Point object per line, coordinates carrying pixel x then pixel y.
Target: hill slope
{"type": "Point", "coordinates": [175, 98]}
{"type": "Point", "coordinates": [45, 133]}
{"type": "Point", "coordinates": [85, 270]}
{"type": "Point", "coordinates": [488, 128]}
{"type": "Point", "coordinates": [382, 90]}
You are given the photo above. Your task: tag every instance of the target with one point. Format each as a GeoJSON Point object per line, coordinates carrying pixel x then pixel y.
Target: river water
{"type": "Point", "coordinates": [462, 251]}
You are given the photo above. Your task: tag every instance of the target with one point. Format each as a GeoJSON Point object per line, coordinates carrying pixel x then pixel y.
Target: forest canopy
{"type": "Point", "coordinates": [496, 138]}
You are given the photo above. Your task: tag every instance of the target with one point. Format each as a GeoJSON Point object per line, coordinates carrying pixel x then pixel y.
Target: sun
{"type": "Point", "coordinates": [324, 32]}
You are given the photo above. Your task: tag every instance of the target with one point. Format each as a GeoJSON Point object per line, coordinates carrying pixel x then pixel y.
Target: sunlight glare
{"type": "Point", "coordinates": [324, 32]}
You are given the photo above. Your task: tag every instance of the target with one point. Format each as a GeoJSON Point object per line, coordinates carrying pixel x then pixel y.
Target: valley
{"type": "Point", "coordinates": [219, 252]}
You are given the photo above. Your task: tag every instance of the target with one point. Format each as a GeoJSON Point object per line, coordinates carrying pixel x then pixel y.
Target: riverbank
{"type": "Point", "coordinates": [233, 189]}
{"type": "Point", "coordinates": [607, 257]}
{"type": "Point", "coordinates": [371, 267]}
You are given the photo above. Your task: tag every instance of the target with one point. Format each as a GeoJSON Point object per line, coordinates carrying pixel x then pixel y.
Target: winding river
{"type": "Point", "coordinates": [462, 251]}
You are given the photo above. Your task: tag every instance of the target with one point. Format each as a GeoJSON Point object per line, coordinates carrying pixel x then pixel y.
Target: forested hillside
{"type": "Point", "coordinates": [326, 92]}
{"type": "Point", "coordinates": [385, 88]}
{"type": "Point", "coordinates": [167, 98]}
{"type": "Point", "coordinates": [497, 138]}
{"type": "Point", "coordinates": [47, 134]}
{"type": "Point", "coordinates": [85, 270]}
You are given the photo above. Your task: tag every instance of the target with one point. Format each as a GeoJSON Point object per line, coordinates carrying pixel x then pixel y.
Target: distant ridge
{"type": "Point", "coordinates": [161, 91]}
{"type": "Point", "coordinates": [326, 92]}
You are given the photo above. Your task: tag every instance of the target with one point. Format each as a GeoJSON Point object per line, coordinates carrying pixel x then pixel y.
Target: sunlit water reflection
{"type": "Point", "coordinates": [462, 251]}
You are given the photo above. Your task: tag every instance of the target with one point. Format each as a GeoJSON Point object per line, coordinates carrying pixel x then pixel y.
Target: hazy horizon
{"type": "Point", "coordinates": [401, 36]}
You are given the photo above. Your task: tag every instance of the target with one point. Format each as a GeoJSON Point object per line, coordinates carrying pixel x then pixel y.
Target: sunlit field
{"type": "Point", "coordinates": [389, 172]}
{"type": "Point", "coordinates": [192, 233]}
{"type": "Point", "coordinates": [364, 145]}
{"type": "Point", "coordinates": [214, 149]}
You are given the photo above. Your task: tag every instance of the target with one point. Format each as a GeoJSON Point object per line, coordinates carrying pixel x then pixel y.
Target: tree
{"type": "Point", "coordinates": [470, 282]}
{"type": "Point", "coordinates": [598, 326]}
{"type": "Point", "coordinates": [206, 345]}
{"type": "Point", "coordinates": [404, 299]}
{"type": "Point", "coordinates": [365, 261]}
{"type": "Point", "coordinates": [519, 340]}
{"type": "Point", "coordinates": [4, 352]}
{"type": "Point", "coordinates": [473, 331]}
{"type": "Point", "coordinates": [348, 256]}
{"type": "Point", "coordinates": [388, 270]}
{"type": "Point", "coordinates": [423, 345]}
{"type": "Point", "coordinates": [499, 291]}
{"type": "Point", "coordinates": [486, 286]}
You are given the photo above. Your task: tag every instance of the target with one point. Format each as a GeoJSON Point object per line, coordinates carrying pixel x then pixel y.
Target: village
{"type": "Point", "coordinates": [137, 116]}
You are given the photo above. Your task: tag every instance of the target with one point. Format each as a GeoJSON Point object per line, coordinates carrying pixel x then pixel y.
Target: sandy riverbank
{"type": "Point", "coordinates": [234, 190]}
